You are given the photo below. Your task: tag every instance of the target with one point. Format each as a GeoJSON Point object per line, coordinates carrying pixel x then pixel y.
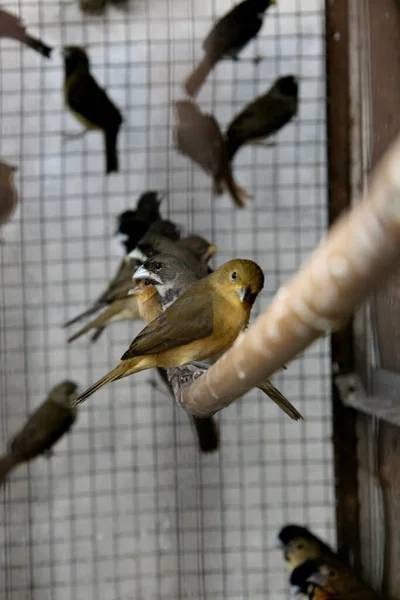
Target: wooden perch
{"type": "Point", "coordinates": [360, 252]}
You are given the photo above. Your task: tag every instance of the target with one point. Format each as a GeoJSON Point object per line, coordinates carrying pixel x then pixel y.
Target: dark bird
{"type": "Point", "coordinates": [201, 323]}
{"type": "Point", "coordinates": [198, 136]}
{"type": "Point", "coordinates": [150, 308]}
{"type": "Point", "coordinates": [90, 103]}
{"type": "Point", "coordinates": [172, 278]}
{"type": "Point", "coordinates": [227, 38]}
{"type": "Point", "coordinates": [8, 193]}
{"type": "Point", "coordinates": [133, 224]}
{"type": "Point", "coordinates": [264, 116]}
{"type": "Point", "coordinates": [12, 27]}
{"type": "Point", "coordinates": [299, 544]}
{"type": "Point", "coordinates": [328, 579]}
{"type": "Point", "coordinates": [43, 429]}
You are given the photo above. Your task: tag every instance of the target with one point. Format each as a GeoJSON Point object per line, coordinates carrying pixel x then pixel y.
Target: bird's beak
{"type": "Point", "coordinates": [137, 254]}
{"type": "Point", "coordinates": [160, 197]}
{"type": "Point", "coordinates": [316, 579]}
{"type": "Point", "coordinates": [212, 249]}
{"type": "Point", "coordinates": [135, 290]}
{"type": "Point", "coordinates": [121, 237]}
{"type": "Point", "coordinates": [143, 273]}
{"type": "Point", "coordinates": [243, 292]}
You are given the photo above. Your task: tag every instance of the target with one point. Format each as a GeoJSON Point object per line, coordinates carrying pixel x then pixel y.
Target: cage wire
{"type": "Point", "coordinates": [127, 507]}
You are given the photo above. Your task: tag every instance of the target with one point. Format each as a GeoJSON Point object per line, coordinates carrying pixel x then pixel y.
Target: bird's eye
{"type": "Point", "coordinates": [234, 275]}
{"type": "Point", "coordinates": [147, 282]}
{"type": "Point", "coordinates": [158, 266]}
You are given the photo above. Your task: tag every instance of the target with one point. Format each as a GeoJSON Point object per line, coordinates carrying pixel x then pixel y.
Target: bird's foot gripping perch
{"type": "Point", "coordinates": [182, 377]}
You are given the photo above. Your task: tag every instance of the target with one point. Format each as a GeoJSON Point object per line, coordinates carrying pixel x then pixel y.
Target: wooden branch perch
{"type": "Point", "coordinates": [357, 256]}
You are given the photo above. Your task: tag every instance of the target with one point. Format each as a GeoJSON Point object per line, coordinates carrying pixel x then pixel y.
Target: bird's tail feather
{"type": "Point", "coordinates": [98, 323]}
{"type": "Point", "coordinates": [97, 334]}
{"type": "Point", "coordinates": [196, 79]}
{"type": "Point", "coordinates": [207, 432]}
{"type": "Point", "coordinates": [272, 392]}
{"type": "Point", "coordinates": [111, 152]}
{"type": "Point", "coordinates": [115, 374]}
{"type": "Point", "coordinates": [238, 194]}
{"type": "Point", "coordinates": [38, 45]}
{"type": "Point", "coordinates": [82, 315]}
{"type": "Point", "coordinates": [7, 464]}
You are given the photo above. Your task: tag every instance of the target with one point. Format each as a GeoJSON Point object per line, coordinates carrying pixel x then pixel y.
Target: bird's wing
{"type": "Point", "coordinates": [189, 318]}
{"type": "Point", "coordinates": [88, 99]}
{"type": "Point", "coordinates": [261, 118]}
{"type": "Point", "coordinates": [202, 141]}
{"type": "Point", "coordinates": [121, 283]}
{"type": "Point", "coordinates": [231, 33]}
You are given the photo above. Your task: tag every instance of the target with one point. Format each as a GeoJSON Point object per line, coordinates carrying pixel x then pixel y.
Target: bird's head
{"type": "Point", "coordinates": [201, 248]}
{"type": "Point", "coordinates": [243, 277]}
{"type": "Point", "coordinates": [299, 544]}
{"type": "Point", "coordinates": [143, 288]}
{"type": "Point", "coordinates": [75, 58]}
{"type": "Point", "coordinates": [148, 206]}
{"type": "Point", "coordinates": [149, 246]}
{"type": "Point", "coordinates": [167, 273]}
{"type": "Point", "coordinates": [64, 393]}
{"type": "Point", "coordinates": [130, 229]}
{"type": "Point", "coordinates": [288, 86]}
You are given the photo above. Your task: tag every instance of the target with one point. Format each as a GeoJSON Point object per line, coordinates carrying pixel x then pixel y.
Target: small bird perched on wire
{"type": "Point", "coordinates": [203, 322]}
{"type": "Point", "coordinates": [227, 38]}
{"type": "Point", "coordinates": [150, 308]}
{"type": "Point", "coordinates": [172, 278]}
{"type": "Point", "coordinates": [89, 103]}
{"type": "Point", "coordinates": [328, 579]}
{"type": "Point", "coordinates": [300, 544]}
{"type": "Point", "coordinates": [133, 224]}
{"type": "Point", "coordinates": [12, 27]}
{"type": "Point", "coordinates": [199, 136]}
{"type": "Point", "coordinates": [43, 429]}
{"type": "Point", "coordinates": [264, 116]}
{"type": "Point", "coordinates": [8, 193]}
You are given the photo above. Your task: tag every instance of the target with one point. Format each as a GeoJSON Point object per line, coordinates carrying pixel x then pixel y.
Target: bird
{"type": "Point", "coordinates": [328, 579]}
{"type": "Point", "coordinates": [54, 417]}
{"type": "Point", "coordinates": [89, 103]}
{"type": "Point", "coordinates": [12, 27]}
{"type": "Point", "coordinates": [201, 248]}
{"type": "Point", "coordinates": [8, 193]}
{"type": "Point", "coordinates": [130, 229]}
{"type": "Point", "coordinates": [201, 323]}
{"type": "Point", "coordinates": [198, 136]}
{"type": "Point", "coordinates": [172, 278]}
{"type": "Point", "coordinates": [207, 430]}
{"type": "Point", "coordinates": [152, 245]}
{"type": "Point", "coordinates": [265, 115]}
{"type": "Point", "coordinates": [227, 38]}
{"type": "Point", "coordinates": [300, 544]}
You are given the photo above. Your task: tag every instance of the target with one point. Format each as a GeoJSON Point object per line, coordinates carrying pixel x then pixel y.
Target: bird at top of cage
{"type": "Point", "coordinates": [12, 27]}
{"type": "Point", "coordinates": [265, 115]}
{"type": "Point", "coordinates": [229, 35]}
{"type": "Point", "coordinates": [203, 322]}
{"type": "Point", "coordinates": [198, 135]}
{"type": "Point", "coordinates": [90, 104]}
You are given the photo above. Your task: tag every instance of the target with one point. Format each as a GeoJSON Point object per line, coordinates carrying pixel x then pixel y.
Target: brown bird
{"type": "Point", "coordinates": [172, 278]}
{"type": "Point", "coordinates": [89, 103]}
{"type": "Point", "coordinates": [199, 136]}
{"type": "Point", "coordinates": [12, 27]}
{"type": "Point", "coordinates": [328, 579]}
{"type": "Point", "coordinates": [150, 308]}
{"type": "Point", "coordinates": [264, 116]}
{"type": "Point", "coordinates": [8, 193]}
{"type": "Point", "coordinates": [203, 322]}
{"type": "Point", "coordinates": [299, 544]}
{"type": "Point", "coordinates": [227, 38]}
{"type": "Point", "coordinates": [43, 429]}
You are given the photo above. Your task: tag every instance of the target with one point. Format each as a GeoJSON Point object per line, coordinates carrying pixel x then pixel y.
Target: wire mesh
{"type": "Point", "coordinates": [127, 507]}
